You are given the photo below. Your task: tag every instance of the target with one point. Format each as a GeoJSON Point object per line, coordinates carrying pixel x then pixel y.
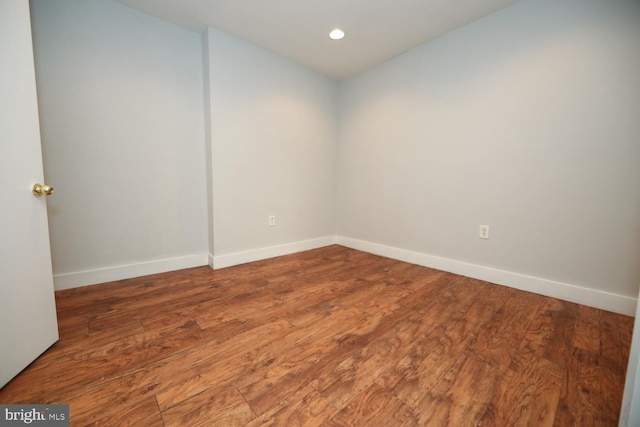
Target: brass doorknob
{"type": "Point", "coordinates": [42, 190]}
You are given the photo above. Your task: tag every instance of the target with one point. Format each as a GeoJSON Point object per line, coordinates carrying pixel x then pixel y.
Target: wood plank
{"type": "Point", "coordinates": [461, 396]}
{"type": "Point", "coordinates": [306, 407]}
{"type": "Point", "coordinates": [550, 333]}
{"type": "Point", "coordinates": [328, 348]}
{"type": "Point", "coordinates": [214, 406]}
{"type": "Point", "coordinates": [181, 375]}
{"type": "Point", "coordinates": [452, 331]}
{"type": "Point", "coordinates": [528, 394]}
{"type": "Point", "coordinates": [615, 338]}
{"type": "Point", "coordinates": [497, 343]}
{"type": "Point", "coordinates": [358, 372]}
{"type": "Point", "coordinates": [266, 388]}
{"type": "Point", "coordinates": [375, 406]}
{"type": "Point", "coordinates": [587, 330]}
{"type": "Point", "coordinates": [331, 336]}
{"type": "Point", "coordinates": [144, 412]}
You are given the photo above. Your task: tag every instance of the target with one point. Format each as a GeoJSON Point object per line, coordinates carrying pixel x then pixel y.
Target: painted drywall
{"type": "Point", "coordinates": [526, 121]}
{"type": "Point", "coordinates": [523, 121]}
{"type": "Point", "coordinates": [121, 105]}
{"type": "Point", "coordinates": [272, 128]}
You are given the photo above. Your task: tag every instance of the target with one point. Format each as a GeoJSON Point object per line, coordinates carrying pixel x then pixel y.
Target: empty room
{"type": "Point", "coordinates": [284, 212]}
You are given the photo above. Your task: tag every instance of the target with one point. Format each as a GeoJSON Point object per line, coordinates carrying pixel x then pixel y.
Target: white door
{"type": "Point", "coordinates": [28, 324]}
{"type": "Point", "coordinates": [630, 413]}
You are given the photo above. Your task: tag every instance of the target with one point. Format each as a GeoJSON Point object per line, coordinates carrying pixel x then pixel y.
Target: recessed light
{"type": "Point", "coordinates": [336, 34]}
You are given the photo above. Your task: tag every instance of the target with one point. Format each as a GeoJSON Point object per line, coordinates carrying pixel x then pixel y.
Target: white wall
{"type": "Point", "coordinates": [121, 103]}
{"type": "Point", "coordinates": [273, 137]}
{"type": "Point", "coordinates": [527, 121]}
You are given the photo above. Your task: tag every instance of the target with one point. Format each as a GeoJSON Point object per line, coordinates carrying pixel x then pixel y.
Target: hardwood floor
{"type": "Point", "coordinates": [327, 337]}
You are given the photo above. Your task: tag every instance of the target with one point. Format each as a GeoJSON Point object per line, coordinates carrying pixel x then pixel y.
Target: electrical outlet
{"type": "Point", "coordinates": [272, 220]}
{"type": "Point", "coordinates": [484, 232]}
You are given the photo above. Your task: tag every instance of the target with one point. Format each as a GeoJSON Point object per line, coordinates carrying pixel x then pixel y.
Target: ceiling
{"type": "Point", "coordinates": [376, 30]}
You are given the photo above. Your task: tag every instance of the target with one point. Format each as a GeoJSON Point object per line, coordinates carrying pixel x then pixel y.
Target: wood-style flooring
{"type": "Point", "coordinates": [328, 337]}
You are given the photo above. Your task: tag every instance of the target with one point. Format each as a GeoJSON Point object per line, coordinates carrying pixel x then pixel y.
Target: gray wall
{"type": "Point", "coordinates": [121, 108]}
{"type": "Point", "coordinates": [273, 140]}
{"type": "Point", "coordinates": [527, 121]}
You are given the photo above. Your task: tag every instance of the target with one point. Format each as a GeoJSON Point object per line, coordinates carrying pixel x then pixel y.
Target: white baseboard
{"type": "Point", "coordinates": [120, 272]}
{"type": "Point", "coordinates": [228, 260]}
{"type": "Point", "coordinates": [564, 291]}
{"type": "Point", "coordinates": [568, 292]}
